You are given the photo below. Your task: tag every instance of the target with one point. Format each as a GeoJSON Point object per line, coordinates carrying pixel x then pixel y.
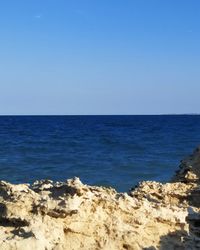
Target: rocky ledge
{"type": "Point", "coordinates": [70, 215]}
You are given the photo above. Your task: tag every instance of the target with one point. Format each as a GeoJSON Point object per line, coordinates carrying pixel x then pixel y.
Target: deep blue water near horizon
{"type": "Point", "coordinates": [117, 151]}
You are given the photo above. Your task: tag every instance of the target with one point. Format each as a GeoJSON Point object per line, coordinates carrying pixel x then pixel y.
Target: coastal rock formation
{"type": "Point", "coordinates": [70, 215]}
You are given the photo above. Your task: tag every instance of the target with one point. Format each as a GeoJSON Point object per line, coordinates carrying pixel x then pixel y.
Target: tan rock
{"type": "Point", "coordinates": [71, 215]}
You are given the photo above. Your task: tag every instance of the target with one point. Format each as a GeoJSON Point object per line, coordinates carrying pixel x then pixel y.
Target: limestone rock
{"type": "Point", "coordinates": [71, 215]}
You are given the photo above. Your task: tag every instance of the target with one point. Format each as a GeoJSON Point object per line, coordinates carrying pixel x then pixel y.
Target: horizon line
{"type": "Point", "coordinates": [161, 114]}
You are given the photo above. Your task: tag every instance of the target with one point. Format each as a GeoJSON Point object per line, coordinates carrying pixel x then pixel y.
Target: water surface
{"type": "Point", "coordinates": [116, 151]}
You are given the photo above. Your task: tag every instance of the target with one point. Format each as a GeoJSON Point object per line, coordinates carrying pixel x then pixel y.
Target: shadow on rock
{"type": "Point", "coordinates": [172, 241]}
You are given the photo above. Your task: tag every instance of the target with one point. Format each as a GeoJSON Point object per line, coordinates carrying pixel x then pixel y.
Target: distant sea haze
{"type": "Point", "coordinates": [117, 151]}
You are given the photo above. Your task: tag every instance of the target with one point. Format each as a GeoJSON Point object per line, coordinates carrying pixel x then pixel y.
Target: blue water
{"type": "Point", "coordinates": [116, 151]}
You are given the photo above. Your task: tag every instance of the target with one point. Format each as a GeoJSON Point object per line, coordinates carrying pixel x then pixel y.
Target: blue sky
{"type": "Point", "coordinates": [99, 56]}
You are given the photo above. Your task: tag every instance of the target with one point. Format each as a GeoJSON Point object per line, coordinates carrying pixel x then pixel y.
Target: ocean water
{"type": "Point", "coordinates": [117, 151]}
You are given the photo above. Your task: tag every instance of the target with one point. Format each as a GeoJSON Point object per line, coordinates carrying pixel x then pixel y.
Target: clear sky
{"type": "Point", "coordinates": [99, 56]}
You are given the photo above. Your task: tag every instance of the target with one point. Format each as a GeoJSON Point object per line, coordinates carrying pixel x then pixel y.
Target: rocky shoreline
{"type": "Point", "coordinates": [70, 215]}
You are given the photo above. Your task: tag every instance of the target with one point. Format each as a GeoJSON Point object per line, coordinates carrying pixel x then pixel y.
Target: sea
{"type": "Point", "coordinates": [112, 151]}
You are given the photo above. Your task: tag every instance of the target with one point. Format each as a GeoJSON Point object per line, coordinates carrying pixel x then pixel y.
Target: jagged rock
{"type": "Point", "coordinates": [70, 215]}
{"type": "Point", "coordinates": [189, 169]}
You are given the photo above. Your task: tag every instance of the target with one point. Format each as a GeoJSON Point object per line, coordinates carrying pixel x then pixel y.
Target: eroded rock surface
{"type": "Point", "coordinates": [70, 215]}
